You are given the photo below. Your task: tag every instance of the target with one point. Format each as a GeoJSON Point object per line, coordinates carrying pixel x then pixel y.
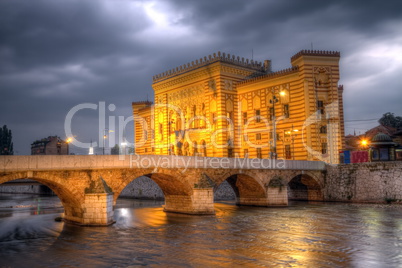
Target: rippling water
{"type": "Point", "coordinates": [303, 234]}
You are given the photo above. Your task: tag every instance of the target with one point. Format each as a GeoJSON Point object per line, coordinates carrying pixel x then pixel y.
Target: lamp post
{"type": "Point", "coordinates": [123, 145]}
{"type": "Point", "coordinates": [68, 145]}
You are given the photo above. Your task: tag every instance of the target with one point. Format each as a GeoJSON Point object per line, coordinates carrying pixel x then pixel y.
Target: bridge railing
{"type": "Point", "coordinates": [46, 162]}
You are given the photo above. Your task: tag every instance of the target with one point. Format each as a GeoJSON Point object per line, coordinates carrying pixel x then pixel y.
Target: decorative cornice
{"type": "Point", "coordinates": [215, 57]}
{"type": "Point", "coordinates": [270, 75]}
{"type": "Point", "coordinates": [315, 53]}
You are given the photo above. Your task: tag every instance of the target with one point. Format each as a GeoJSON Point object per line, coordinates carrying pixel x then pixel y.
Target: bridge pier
{"type": "Point", "coordinates": [277, 196]}
{"type": "Point", "coordinates": [201, 202]}
{"type": "Point", "coordinates": [98, 209]}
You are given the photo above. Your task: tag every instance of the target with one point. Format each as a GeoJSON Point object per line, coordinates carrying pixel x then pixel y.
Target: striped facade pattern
{"type": "Point", "coordinates": [227, 107]}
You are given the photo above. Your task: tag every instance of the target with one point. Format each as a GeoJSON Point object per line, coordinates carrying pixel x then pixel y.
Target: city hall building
{"type": "Point", "coordinates": [227, 106]}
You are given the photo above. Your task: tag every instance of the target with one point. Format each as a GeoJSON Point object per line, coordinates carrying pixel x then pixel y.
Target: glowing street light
{"type": "Point", "coordinates": [364, 142]}
{"type": "Point", "coordinates": [124, 144]}
{"type": "Point", "coordinates": [68, 141]}
{"type": "Point", "coordinates": [105, 135]}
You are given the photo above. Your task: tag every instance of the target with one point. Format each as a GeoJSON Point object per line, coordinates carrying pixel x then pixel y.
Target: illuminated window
{"type": "Point", "coordinates": [229, 115]}
{"type": "Point", "coordinates": [258, 136]}
{"type": "Point", "coordinates": [257, 116]}
{"type": "Point", "coordinates": [259, 154]}
{"type": "Point", "coordinates": [320, 106]}
{"type": "Point", "coordinates": [288, 154]}
{"type": "Point", "coordinates": [245, 118]}
{"type": "Point", "coordinates": [213, 115]}
{"type": "Point", "coordinates": [245, 152]}
{"type": "Point", "coordinates": [230, 152]}
{"type": "Point", "coordinates": [286, 110]}
{"type": "Point", "coordinates": [324, 148]}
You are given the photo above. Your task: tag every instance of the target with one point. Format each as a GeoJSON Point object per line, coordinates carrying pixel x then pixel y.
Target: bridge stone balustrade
{"type": "Point", "coordinates": [88, 186]}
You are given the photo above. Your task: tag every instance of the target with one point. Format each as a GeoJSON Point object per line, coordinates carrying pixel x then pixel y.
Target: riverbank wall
{"type": "Point", "coordinates": [364, 182]}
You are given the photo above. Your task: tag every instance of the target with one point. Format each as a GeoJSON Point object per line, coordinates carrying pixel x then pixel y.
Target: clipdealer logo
{"type": "Point", "coordinates": [181, 136]}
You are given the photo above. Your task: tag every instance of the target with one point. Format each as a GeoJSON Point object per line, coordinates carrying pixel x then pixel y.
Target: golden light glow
{"type": "Point", "coordinates": [190, 124]}
{"type": "Point", "coordinates": [69, 140]}
{"type": "Point", "coordinates": [364, 142]}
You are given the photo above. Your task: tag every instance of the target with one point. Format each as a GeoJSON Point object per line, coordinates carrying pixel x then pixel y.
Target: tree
{"type": "Point", "coordinates": [115, 150]}
{"type": "Point", "coordinates": [390, 120]}
{"type": "Point", "coordinates": [6, 141]}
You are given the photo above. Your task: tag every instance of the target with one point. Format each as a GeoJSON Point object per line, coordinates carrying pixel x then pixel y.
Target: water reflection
{"type": "Point", "coordinates": [303, 234]}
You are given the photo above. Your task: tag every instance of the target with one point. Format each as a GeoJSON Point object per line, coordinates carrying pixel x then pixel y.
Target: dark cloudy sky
{"type": "Point", "coordinates": [56, 54]}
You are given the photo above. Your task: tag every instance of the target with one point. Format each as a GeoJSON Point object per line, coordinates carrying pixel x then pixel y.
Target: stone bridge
{"type": "Point", "coordinates": [88, 186]}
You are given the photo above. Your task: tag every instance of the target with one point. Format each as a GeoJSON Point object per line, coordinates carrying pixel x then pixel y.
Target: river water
{"type": "Point", "coordinates": [303, 234]}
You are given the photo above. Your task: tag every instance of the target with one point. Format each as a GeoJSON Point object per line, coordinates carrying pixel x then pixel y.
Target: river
{"type": "Point", "coordinates": [303, 234]}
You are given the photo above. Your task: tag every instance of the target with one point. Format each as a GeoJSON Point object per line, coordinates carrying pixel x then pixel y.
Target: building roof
{"type": "Point", "coordinates": [215, 57]}
{"type": "Point", "coordinates": [381, 137]}
{"type": "Point", "coordinates": [380, 129]}
{"type": "Point", "coordinates": [315, 53]}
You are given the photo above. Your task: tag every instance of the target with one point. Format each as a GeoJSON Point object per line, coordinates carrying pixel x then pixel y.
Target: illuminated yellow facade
{"type": "Point", "coordinates": [226, 106]}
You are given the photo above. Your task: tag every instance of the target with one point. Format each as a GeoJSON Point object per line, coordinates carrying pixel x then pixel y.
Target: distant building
{"type": "Point", "coordinates": [384, 143]}
{"type": "Point", "coordinates": [51, 145]}
{"type": "Point", "coordinates": [382, 148]}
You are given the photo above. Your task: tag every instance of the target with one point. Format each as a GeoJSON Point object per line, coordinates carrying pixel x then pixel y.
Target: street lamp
{"type": "Point", "coordinates": [68, 140]}
{"type": "Point", "coordinates": [124, 144]}
{"type": "Point", "coordinates": [364, 143]}
{"type": "Point", "coordinates": [105, 135]}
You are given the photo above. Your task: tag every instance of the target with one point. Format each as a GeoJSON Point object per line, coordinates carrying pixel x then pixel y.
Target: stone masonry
{"type": "Point", "coordinates": [364, 182]}
{"type": "Point", "coordinates": [88, 186]}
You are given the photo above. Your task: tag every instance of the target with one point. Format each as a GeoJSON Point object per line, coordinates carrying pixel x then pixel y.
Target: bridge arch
{"type": "Point", "coordinates": [248, 189]}
{"type": "Point", "coordinates": [305, 187]}
{"type": "Point", "coordinates": [70, 197]}
{"type": "Point", "coordinates": [170, 182]}
{"type": "Point", "coordinates": [176, 188]}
